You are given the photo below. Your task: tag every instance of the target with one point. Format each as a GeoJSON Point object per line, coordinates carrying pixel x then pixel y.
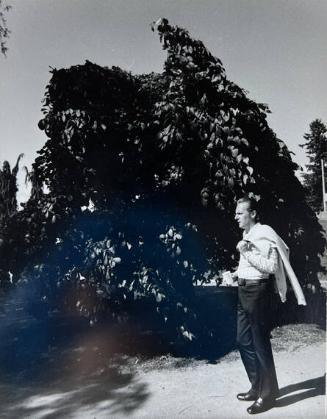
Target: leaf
{"type": "Point", "coordinates": [226, 116]}
{"type": "Point", "coordinates": [232, 172]}
{"type": "Point", "coordinates": [204, 99]}
{"type": "Point", "coordinates": [188, 335]}
{"type": "Point", "coordinates": [159, 297]}
{"type": "Point", "coordinates": [216, 78]}
{"type": "Point", "coordinates": [235, 152]}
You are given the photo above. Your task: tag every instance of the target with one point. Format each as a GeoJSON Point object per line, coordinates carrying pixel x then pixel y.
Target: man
{"type": "Point", "coordinates": [262, 253]}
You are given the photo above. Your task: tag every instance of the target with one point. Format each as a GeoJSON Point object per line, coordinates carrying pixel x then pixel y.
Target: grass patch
{"type": "Point", "coordinates": [295, 336]}
{"type": "Point", "coordinates": [287, 338]}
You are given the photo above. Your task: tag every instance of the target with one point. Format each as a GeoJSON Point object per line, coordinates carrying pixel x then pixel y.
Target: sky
{"type": "Point", "coordinates": [274, 49]}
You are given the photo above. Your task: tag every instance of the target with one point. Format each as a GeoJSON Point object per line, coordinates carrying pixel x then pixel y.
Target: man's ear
{"type": "Point", "coordinates": [253, 214]}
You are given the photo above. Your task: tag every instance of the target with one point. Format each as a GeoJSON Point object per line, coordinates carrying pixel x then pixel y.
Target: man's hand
{"type": "Point", "coordinates": [229, 279]}
{"type": "Point", "coordinates": [242, 246]}
{"type": "Point", "coordinates": [234, 275]}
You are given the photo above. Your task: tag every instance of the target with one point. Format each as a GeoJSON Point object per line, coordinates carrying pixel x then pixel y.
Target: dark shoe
{"type": "Point", "coordinates": [260, 406]}
{"type": "Point", "coordinates": [248, 397]}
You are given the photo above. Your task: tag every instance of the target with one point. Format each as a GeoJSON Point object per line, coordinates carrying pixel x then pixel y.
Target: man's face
{"type": "Point", "coordinates": [244, 216]}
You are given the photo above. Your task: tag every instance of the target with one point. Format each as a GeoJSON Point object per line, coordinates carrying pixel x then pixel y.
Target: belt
{"type": "Point", "coordinates": [243, 281]}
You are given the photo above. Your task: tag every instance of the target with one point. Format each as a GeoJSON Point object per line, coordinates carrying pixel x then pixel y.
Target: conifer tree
{"type": "Point", "coordinates": [316, 150]}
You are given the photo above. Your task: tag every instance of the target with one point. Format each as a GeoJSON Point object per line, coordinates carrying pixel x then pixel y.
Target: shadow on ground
{"type": "Point", "coordinates": [312, 388]}
{"type": "Point", "coordinates": [57, 367]}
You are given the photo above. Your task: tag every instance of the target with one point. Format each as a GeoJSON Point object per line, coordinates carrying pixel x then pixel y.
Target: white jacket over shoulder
{"type": "Point", "coordinates": [263, 237]}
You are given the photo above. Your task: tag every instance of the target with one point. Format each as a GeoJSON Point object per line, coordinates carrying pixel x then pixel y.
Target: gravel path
{"type": "Point", "coordinates": [208, 391]}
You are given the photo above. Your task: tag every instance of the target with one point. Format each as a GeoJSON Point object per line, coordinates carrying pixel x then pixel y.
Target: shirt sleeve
{"type": "Point", "coordinates": [267, 265]}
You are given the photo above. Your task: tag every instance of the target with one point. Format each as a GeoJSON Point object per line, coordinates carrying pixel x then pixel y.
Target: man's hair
{"type": "Point", "coordinates": [253, 204]}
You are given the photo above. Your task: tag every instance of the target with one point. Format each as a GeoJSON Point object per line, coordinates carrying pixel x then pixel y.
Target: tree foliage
{"type": "Point", "coordinates": [4, 31]}
{"type": "Point", "coordinates": [143, 174]}
{"type": "Point", "coordinates": [316, 150]}
{"type": "Point", "coordinates": [8, 191]}
{"type": "Point", "coordinates": [8, 210]}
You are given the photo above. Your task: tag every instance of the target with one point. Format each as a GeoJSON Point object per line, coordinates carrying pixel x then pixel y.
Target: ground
{"type": "Point", "coordinates": [82, 378]}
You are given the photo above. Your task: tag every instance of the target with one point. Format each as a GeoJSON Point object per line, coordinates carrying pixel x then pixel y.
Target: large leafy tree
{"type": "Point", "coordinates": [143, 174]}
{"type": "Point", "coordinates": [316, 150]}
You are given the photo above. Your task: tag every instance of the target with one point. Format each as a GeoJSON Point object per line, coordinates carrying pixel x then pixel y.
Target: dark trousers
{"type": "Point", "coordinates": [253, 337]}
